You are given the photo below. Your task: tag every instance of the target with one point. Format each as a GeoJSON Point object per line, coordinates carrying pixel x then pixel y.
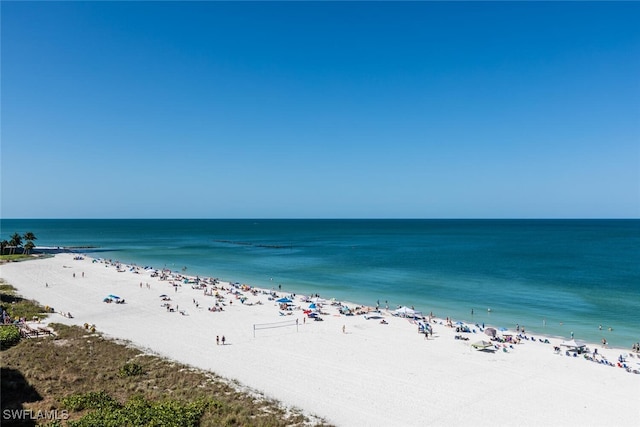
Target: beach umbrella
{"type": "Point", "coordinates": [114, 296]}
{"type": "Point", "coordinates": [313, 306]}
{"type": "Point", "coordinates": [491, 332]}
{"type": "Point", "coordinates": [284, 300]}
{"type": "Point", "coordinates": [163, 296]}
{"type": "Point", "coordinates": [503, 329]}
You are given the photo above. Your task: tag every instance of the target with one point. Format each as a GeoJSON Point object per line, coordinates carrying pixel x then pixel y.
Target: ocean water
{"type": "Point", "coordinates": [553, 277]}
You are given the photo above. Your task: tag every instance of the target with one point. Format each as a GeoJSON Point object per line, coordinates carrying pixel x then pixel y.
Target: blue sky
{"type": "Point", "coordinates": [315, 110]}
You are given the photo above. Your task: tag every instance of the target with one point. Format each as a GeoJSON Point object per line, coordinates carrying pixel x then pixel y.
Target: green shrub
{"type": "Point", "coordinates": [131, 370]}
{"type": "Point", "coordinates": [91, 400]}
{"type": "Point", "coordinates": [140, 412]}
{"type": "Point", "coordinates": [9, 336]}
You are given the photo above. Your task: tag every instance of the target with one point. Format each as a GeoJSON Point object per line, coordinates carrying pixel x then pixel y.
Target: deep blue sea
{"type": "Point", "coordinates": [553, 277]}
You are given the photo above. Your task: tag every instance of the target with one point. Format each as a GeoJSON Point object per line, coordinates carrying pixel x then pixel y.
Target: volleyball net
{"type": "Point", "coordinates": [274, 325]}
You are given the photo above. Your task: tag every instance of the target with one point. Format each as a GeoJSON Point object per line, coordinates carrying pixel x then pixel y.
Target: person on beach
{"type": "Point", "coordinates": [344, 329]}
{"type": "Point", "coordinates": [217, 339]}
{"type": "Point", "coordinates": [223, 340]}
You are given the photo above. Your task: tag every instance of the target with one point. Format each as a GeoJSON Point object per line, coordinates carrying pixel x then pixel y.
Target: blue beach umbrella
{"type": "Point", "coordinates": [284, 300]}
{"type": "Point", "coordinates": [114, 296]}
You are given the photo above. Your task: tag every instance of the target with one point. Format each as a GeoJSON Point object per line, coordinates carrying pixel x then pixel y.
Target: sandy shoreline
{"type": "Point", "coordinates": [373, 374]}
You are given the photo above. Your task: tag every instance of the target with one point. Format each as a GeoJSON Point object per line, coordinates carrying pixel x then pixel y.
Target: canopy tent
{"type": "Point", "coordinates": [573, 344]}
{"type": "Point", "coordinates": [406, 312]}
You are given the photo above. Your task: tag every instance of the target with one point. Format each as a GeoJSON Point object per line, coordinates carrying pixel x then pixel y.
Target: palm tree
{"type": "Point", "coordinates": [16, 241]}
{"type": "Point", "coordinates": [3, 245]}
{"type": "Point", "coordinates": [28, 247]}
{"type": "Point", "coordinates": [29, 237]}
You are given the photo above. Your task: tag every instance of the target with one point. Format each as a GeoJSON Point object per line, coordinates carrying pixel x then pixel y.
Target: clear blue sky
{"type": "Point", "coordinates": [341, 110]}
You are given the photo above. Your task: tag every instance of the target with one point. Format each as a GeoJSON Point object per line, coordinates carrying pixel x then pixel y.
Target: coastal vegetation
{"type": "Point", "coordinates": [15, 244]}
{"type": "Point", "coordinates": [18, 307]}
{"type": "Point", "coordinates": [92, 380]}
{"type": "Point", "coordinates": [9, 336]}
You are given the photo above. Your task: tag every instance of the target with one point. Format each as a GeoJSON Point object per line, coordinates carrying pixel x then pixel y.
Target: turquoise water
{"type": "Point", "coordinates": [551, 276]}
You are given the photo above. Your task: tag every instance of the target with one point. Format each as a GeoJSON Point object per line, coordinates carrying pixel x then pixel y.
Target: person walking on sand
{"type": "Point", "coordinates": [344, 329]}
{"type": "Point", "coordinates": [217, 339]}
{"type": "Point", "coordinates": [223, 340]}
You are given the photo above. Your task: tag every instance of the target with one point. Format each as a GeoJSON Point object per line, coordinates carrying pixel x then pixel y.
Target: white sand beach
{"type": "Point", "coordinates": [372, 374]}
